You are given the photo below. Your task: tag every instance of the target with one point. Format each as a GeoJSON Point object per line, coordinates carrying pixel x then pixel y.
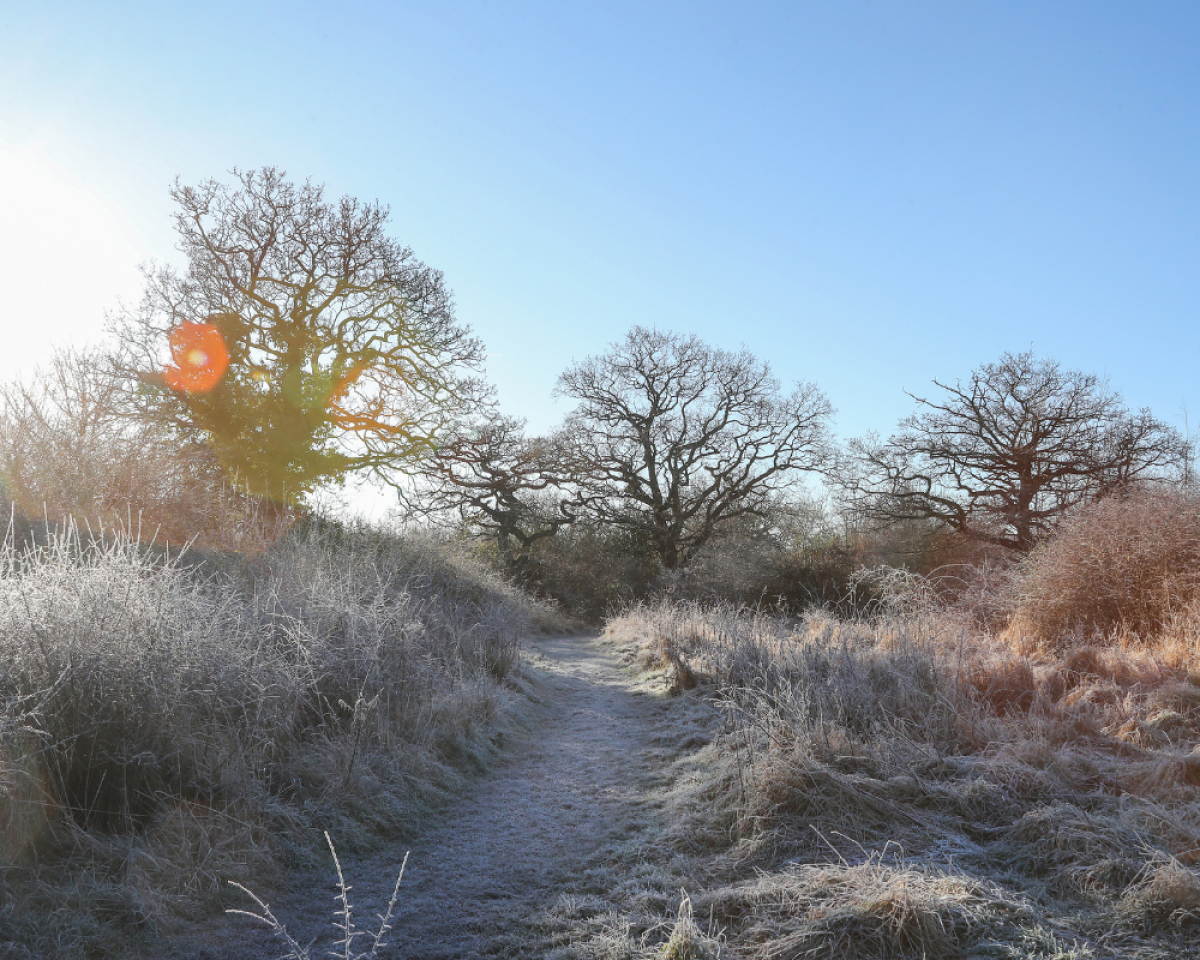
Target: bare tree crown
{"type": "Point", "coordinates": [1002, 457]}
{"type": "Point", "coordinates": [492, 477]}
{"type": "Point", "coordinates": [344, 353]}
{"type": "Point", "coordinates": [675, 437]}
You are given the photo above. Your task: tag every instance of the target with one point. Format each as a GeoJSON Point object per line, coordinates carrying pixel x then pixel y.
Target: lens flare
{"type": "Point", "coordinates": [198, 358]}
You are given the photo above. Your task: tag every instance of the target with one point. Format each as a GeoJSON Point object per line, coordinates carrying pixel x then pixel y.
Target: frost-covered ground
{"type": "Point", "coordinates": [533, 860]}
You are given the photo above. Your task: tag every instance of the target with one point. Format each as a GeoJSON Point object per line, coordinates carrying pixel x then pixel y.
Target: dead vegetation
{"type": "Point", "coordinates": [171, 724]}
{"type": "Point", "coordinates": [1009, 769]}
{"type": "Point", "coordinates": [913, 784]}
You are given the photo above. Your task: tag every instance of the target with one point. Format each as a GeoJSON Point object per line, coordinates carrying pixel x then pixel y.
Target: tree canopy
{"type": "Point", "coordinates": [1002, 457]}
{"type": "Point", "coordinates": [673, 438]}
{"type": "Point", "coordinates": [304, 342]}
{"type": "Point", "coordinates": [493, 478]}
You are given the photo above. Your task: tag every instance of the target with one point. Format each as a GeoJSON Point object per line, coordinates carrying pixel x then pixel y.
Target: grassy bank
{"type": "Point", "coordinates": [170, 724]}
{"type": "Point", "coordinates": [914, 785]}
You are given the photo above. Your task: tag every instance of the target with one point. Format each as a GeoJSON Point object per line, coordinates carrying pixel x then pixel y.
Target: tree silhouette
{"type": "Point", "coordinates": [674, 438]}
{"type": "Point", "coordinates": [1002, 457]}
{"type": "Point", "coordinates": [304, 342]}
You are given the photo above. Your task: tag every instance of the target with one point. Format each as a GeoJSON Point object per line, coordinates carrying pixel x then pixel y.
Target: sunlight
{"type": "Point", "coordinates": [67, 253]}
{"type": "Point", "coordinates": [199, 358]}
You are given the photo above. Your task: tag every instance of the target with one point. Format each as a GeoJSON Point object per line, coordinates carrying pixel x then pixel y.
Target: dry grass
{"type": "Point", "coordinates": [1164, 891]}
{"type": "Point", "coordinates": [907, 784]}
{"type": "Point", "coordinates": [688, 940]}
{"type": "Point", "coordinates": [172, 724]}
{"type": "Point", "coordinates": [1122, 567]}
{"type": "Point", "coordinates": [865, 910]}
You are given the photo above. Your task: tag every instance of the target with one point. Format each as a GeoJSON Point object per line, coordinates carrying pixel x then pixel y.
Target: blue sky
{"type": "Point", "coordinates": [870, 195]}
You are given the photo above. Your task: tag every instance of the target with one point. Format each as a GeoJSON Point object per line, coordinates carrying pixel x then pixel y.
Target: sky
{"type": "Point", "coordinates": [869, 195]}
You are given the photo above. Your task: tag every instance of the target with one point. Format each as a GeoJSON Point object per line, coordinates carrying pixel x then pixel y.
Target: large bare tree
{"type": "Point", "coordinates": [1002, 457]}
{"type": "Point", "coordinates": [674, 438]}
{"type": "Point", "coordinates": [304, 342]}
{"type": "Point", "coordinates": [493, 478]}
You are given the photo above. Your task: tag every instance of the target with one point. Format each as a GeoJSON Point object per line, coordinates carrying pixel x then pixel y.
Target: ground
{"type": "Point", "coordinates": [543, 857]}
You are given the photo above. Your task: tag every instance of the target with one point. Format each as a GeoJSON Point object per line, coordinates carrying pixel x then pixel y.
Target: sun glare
{"type": "Point", "coordinates": [67, 254]}
{"type": "Point", "coordinates": [198, 358]}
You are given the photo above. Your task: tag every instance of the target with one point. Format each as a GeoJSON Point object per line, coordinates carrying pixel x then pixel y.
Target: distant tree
{"type": "Point", "coordinates": [494, 479]}
{"type": "Point", "coordinates": [673, 438]}
{"type": "Point", "coordinates": [304, 342]}
{"type": "Point", "coordinates": [1002, 457]}
{"type": "Point", "coordinates": [69, 448]}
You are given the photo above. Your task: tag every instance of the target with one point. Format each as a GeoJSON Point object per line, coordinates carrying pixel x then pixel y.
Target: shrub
{"type": "Point", "coordinates": [589, 569]}
{"type": "Point", "coordinates": [69, 449]}
{"type": "Point", "coordinates": [172, 724]}
{"type": "Point", "coordinates": [749, 566]}
{"type": "Point", "coordinates": [1121, 565]}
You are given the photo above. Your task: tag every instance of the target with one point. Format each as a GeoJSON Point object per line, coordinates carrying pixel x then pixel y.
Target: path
{"type": "Point", "coordinates": [573, 787]}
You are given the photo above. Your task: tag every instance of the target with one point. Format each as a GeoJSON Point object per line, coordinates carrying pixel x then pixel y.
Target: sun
{"type": "Point", "coordinates": [199, 358]}
{"type": "Point", "coordinates": [67, 253]}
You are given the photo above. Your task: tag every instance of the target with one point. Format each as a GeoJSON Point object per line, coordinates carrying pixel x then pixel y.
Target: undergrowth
{"type": "Point", "coordinates": [170, 724]}
{"type": "Point", "coordinates": [910, 784]}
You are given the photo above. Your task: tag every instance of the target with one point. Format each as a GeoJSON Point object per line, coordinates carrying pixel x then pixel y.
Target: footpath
{"type": "Point", "coordinates": [535, 843]}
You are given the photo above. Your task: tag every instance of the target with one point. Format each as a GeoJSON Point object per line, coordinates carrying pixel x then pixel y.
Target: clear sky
{"type": "Point", "coordinates": [868, 194]}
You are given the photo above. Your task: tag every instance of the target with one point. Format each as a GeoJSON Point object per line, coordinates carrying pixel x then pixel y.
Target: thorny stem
{"type": "Point", "coordinates": [342, 922]}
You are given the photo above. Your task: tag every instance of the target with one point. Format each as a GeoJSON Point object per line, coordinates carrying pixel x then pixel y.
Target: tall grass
{"type": "Point", "coordinates": [1125, 566]}
{"type": "Point", "coordinates": [170, 723]}
{"type": "Point", "coordinates": [907, 783]}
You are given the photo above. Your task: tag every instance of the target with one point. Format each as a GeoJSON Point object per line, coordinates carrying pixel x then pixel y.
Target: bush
{"type": "Point", "coordinates": [1123, 565]}
{"type": "Point", "coordinates": [69, 449]}
{"type": "Point", "coordinates": [589, 569]}
{"type": "Point", "coordinates": [749, 566]}
{"type": "Point", "coordinates": [170, 726]}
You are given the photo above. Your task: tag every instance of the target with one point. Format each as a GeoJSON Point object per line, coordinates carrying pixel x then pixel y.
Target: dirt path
{"type": "Point", "coordinates": [582, 782]}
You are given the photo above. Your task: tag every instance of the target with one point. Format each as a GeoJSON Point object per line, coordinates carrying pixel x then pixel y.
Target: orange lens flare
{"type": "Point", "coordinates": [198, 358]}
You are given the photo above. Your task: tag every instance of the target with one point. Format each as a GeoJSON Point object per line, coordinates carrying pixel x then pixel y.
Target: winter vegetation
{"type": "Point", "coordinates": [172, 722]}
{"type": "Point", "coordinates": [936, 695]}
{"type": "Point", "coordinates": [1008, 770]}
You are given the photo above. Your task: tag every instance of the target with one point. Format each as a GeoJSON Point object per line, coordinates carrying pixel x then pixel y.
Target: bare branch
{"type": "Point", "coordinates": [1004, 456]}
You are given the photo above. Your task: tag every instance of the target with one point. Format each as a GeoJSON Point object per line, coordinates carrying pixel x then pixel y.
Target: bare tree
{"type": "Point", "coordinates": [71, 448]}
{"type": "Point", "coordinates": [674, 438]}
{"type": "Point", "coordinates": [304, 342]}
{"type": "Point", "coordinates": [496, 480]}
{"type": "Point", "coordinates": [1002, 457]}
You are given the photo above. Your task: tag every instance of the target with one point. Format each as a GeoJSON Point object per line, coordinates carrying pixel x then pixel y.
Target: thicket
{"type": "Point", "coordinates": [803, 559]}
{"type": "Point", "coordinates": [70, 450]}
{"type": "Point", "coordinates": [171, 723]}
{"type": "Point", "coordinates": [1124, 566]}
{"type": "Point", "coordinates": [918, 780]}
{"type": "Point", "coordinates": [797, 559]}
{"type": "Point", "coordinates": [587, 569]}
